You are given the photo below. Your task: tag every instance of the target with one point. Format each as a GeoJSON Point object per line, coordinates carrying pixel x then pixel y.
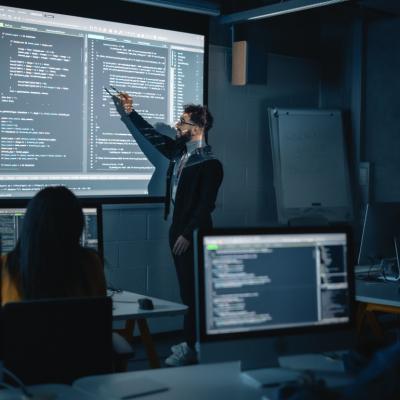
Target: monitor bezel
{"type": "Point", "coordinates": [99, 215]}
{"type": "Point", "coordinates": [380, 218]}
{"type": "Point", "coordinates": [203, 336]}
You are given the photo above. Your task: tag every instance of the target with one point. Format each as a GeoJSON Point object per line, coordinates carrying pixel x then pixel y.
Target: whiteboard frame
{"type": "Point", "coordinates": [330, 213]}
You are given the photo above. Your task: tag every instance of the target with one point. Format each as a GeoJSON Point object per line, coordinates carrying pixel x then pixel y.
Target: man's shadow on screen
{"type": "Point", "coordinates": [156, 185]}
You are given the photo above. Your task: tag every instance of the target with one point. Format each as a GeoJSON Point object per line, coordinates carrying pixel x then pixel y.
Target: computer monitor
{"type": "Point", "coordinates": [381, 228]}
{"type": "Point", "coordinates": [11, 220]}
{"type": "Point", "coordinates": [272, 282]}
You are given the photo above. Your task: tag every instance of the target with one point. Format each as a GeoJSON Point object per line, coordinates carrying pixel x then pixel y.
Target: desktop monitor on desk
{"type": "Point", "coordinates": [381, 228]}
{"type": "Point", "coordinates": [255, 284]}
{"type": "Point", "coordinates": [11, 219]}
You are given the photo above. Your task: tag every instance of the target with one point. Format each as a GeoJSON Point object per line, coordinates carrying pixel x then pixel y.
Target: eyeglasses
{"type": "Point", "coordinates": [181, 121]}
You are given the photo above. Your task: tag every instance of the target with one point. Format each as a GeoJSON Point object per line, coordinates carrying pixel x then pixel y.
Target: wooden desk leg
{"type": "Point", "coordinates": [127, 331]}
{"type": "Point", "coordinates": [148, 343]}
{"type": "Point", "coordinates": [366, 312]}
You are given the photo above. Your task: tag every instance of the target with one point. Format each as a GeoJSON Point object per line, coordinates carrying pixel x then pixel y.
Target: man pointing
{"type": "Point", "coordinates": [193, 179]}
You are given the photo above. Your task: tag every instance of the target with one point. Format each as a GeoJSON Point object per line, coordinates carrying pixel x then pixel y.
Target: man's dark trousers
{"type": "Point", "coordinates": [184, 265]}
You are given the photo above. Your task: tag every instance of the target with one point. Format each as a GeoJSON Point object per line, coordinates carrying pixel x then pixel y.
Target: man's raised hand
{"type": "Point", "coordinates": [126, 101]}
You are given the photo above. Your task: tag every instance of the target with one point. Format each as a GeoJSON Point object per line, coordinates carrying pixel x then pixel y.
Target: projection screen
{"type": "Point", "coordinates": [57, 123]}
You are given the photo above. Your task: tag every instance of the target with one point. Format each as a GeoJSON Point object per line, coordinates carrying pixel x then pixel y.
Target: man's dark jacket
{"type": "Point", "coordinates": [198, 184]}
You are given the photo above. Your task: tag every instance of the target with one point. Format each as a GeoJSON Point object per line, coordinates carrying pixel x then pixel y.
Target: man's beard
{"type": "Point", "coordinates": [183, 137]}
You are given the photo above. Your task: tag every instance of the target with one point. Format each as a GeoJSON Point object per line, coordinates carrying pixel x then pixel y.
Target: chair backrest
{"type": "Point", "coordinates": [58, 340]}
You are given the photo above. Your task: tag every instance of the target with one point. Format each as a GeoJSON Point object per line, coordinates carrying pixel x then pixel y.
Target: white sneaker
{"type": "Point", "coordinates": [183, 355]}
{"type": "Point", "coordinates": [178, 348]}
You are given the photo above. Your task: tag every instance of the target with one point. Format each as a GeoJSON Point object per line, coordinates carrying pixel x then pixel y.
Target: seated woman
{"type": "Point", "coordinates": [48, 260]}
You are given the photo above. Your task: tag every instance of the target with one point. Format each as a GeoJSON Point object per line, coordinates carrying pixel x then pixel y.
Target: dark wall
{"type": "Point", "coordinates": [341, 87]}
{"type": "Point", "coordinates": [284, 72]}
{"type": "Point", "coordinates": [301, 60]}
{"type": "Point", "coordinates": [335, 54]}
{"type": "Point", "coordinates": [360, 61]}
{"type": "Point", "coordinates": [381, 142]}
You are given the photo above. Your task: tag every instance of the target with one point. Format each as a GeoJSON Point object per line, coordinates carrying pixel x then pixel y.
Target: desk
{"type": "Point", "coordinates": [126, 308]}
{"type": "Point", "coordinates": [376, 296]}
{"type": "Point", "coordinates": [52, 391]}
{"type": "Point", "coordinates": [200, 382]}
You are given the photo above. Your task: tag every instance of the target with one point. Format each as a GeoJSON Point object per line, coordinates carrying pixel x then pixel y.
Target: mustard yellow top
{"type": "Point", "coordinates": [95, 285]}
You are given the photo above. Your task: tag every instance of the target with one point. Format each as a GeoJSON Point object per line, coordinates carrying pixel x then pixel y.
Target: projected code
{"type": "Point", "coordinates": [136, 69]}
{"type": "Point", "coordinates": [41, 102]}
{"type": "Point", "coordinates": [261, 287]}
{"type": "Point", "coordinates": [187, 80]}
{"type": "Point", "coordinates": [59, 126]}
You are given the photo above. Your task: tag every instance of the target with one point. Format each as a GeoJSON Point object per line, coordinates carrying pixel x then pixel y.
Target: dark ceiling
{"type": "Point", "coordinates": [229, 6]}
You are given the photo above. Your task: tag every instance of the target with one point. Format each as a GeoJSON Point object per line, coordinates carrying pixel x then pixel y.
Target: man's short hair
{"type": "Point", "coordinates": [199, 115]}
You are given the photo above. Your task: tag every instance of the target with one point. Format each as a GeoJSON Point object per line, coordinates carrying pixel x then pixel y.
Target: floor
{"type": "Point", "coordinates": [163, 343]}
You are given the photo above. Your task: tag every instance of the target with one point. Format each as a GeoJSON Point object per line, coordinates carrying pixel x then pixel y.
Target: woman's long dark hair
{"type": "Point", "coordinates": [47, 257]}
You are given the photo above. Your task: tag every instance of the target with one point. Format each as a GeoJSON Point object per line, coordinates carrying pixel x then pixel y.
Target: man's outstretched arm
{"type": "Point", "coordinates": [164, 144]}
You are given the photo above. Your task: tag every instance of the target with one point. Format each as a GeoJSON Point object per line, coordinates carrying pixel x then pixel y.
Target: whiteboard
{"type": "Point", "coordinates": [311, 175]}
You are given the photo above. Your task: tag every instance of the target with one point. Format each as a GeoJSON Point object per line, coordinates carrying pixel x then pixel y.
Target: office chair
{"type": "Point", "coordinates": [58, 340]}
